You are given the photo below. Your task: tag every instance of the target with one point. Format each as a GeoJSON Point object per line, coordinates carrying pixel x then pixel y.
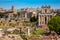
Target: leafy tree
{"type": "Point", "coordinates": [15, 15]}
{"type": "Point", "coordinates": [1, 15]}
{"type": "Point", "coordinates": [33, 19]}
{"type": "Point", "coordinates": [54, 24]}
{"type": "Point", "coordinates": [18, 13]}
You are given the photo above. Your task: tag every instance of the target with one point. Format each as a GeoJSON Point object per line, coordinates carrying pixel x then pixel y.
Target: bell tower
{"type": "Point", "coordinates": [12, 8]}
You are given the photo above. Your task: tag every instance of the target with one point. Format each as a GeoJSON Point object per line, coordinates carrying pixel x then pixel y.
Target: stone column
{"type": "Point", "coordinates": [28, 31]}
{"type": "Point", "coordinates": [9, 17]}
{"type": "Point", "coordinates": [39, 20]}
{"type": "Point", "coordinates": [44, 19]}
{"type": "Point", "coordinates": [47, 18]}
{"type": "Point", "coordinates": [26, 15]}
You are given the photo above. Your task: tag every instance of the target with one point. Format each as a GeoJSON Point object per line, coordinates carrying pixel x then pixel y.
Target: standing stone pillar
{"type": "Point", "coordinates": [39, 20]}
{"type": "Point", "coordinates": [25, 15]}
{"type": "Point", "coordinates": [9, 17]}
{"type": "Point", "coordinates": [47, 18]}
{"type": "Point", "coordinates": [28, 31]}
{"type": "Point", "coordinates": [44, 19]}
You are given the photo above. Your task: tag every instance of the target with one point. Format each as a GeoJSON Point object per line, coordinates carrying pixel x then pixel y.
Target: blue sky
{"type": "Point", "coordinates": [29, 3]}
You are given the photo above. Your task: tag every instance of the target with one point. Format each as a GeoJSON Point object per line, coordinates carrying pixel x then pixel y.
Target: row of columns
{"type": "Point", "coordinates": [43, 19]}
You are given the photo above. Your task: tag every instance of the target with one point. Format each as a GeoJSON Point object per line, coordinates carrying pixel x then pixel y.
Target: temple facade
{"type": "Point", "coordinates": [44, 15]}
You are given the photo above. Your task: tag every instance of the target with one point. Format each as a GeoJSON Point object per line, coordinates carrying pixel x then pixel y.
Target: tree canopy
{"type": "Point", "coordinates": [33, 19]}
{"type": "Point", "coordinates": [54, 24]}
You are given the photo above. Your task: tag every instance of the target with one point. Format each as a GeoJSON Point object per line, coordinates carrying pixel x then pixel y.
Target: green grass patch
{"type": "Point", "coordinates": [37, 32]}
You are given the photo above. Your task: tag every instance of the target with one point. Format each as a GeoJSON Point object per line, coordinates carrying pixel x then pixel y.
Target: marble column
{"type": "Point", "coordinates": [47, 18]}
{"type": "Point", "coordinates": [25, 15]}
{"type": "Point", "coordinates": [39, 20]}
{"type": "Point", "coordinates": [28, 31]}
{"type": "Point", "coordinates": [44, 19]}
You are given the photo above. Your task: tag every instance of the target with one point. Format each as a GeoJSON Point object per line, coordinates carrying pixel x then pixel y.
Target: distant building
{"type": "Point", "coordinates": [12, 9]}
{"type": "Point", "coordinates": [58, 12]}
